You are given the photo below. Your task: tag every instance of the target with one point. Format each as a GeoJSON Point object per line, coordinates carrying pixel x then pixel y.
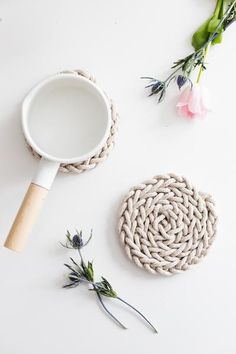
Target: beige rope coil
{"type": "Point", "coordinates": [166, 225]}
{"type": "Point", "coordinates": [104, 152]}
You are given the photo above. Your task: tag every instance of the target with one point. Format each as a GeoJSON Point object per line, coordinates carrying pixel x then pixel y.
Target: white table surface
{"type": "Point", "coordinates": [118, 41]}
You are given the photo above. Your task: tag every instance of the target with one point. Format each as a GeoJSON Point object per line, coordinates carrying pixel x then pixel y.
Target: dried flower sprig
{"type": "Point", "coordinates": [83, 272]}
{"type": "Point", "coordinates": [208, 34]}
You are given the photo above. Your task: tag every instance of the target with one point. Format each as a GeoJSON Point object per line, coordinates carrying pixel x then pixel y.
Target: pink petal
{"type": "Point", "coordinates": [194, 103]}
{"type": "Point", "coordinates": [184, 97]}
{"type": "Point", "coordinates": [184, 112]}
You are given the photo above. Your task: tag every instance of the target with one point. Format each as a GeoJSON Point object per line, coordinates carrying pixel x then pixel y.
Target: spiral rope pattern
{"type": "Point", "coordinates": [166, 225]}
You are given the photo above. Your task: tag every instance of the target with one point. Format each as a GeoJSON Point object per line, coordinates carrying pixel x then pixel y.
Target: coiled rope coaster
{"type": "Point", "coordinates": [166, 225]}
{"type": "Point", "coordinates": [104, 152]}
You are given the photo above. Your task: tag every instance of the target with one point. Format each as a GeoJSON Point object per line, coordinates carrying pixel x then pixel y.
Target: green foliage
{"type": "Point", "coordinates": [88, 272]}
{"type": "Point", "coordinates": [105, 288]}
{"type": "Point", "coordinates": [210, 32]}
{"type": "Point", "coordinates": [209, 27]}
{"type": "Point", "coordinates": [84, 273]}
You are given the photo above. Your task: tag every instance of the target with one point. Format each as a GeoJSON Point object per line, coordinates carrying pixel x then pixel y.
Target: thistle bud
{"type": "Point", "coordinates": [77, 241]}
{"type": "Point", "coordinates": [181, 81]}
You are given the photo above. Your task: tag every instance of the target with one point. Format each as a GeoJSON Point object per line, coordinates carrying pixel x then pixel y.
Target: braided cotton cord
{"type": "Point", "coordinates": [166, 225]}
{"type": "Point", "coordinates": [104, 152]}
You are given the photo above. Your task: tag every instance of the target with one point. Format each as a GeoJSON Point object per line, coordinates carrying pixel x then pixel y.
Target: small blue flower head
{"type": "Point", "coordinates": [157, 87]}
{"type": "Point", "coordinates": [76, 242]}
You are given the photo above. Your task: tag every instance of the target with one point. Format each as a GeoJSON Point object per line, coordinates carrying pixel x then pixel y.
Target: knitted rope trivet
{"type": "Point", "coordinates": [104, 152]}
{"type": "Point", "coordinates": [166, 225]}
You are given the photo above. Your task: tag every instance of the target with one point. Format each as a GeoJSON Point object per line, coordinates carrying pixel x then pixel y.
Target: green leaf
{"type": "Point", "coordinates": [71, 285]}
{"type": "Point", "coordinates": [201, 36]}
{"type": "Point", "coordinates": [212, 25]}
{"type": "Point", "coordinates": [72, 260]}
{"type": "Point", "coordinates": [69, 267]}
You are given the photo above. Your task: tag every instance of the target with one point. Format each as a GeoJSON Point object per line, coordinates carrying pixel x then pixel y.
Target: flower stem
{"type": "Point", "coordinates": [172, 74]}
{"type": "Point", "coordinates": [133, 308]}
{"type": "Point", "coordinates": [99, 296]}
{"type": "Point", "coordinates": [81, 257]}
{"type": "Point", "coordinates": [102, 303]}
{"type": "Point", "coordinates": [206, 50]}
{"type": "Point", "coordinates": [106, 309]}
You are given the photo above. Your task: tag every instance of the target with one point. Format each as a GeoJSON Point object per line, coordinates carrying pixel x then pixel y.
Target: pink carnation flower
{"type": "Point", "coordinates": [194, 102]}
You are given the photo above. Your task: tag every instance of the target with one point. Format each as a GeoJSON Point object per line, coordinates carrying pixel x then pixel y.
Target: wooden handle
{"type": "Point", "coordinates": [26, 217]}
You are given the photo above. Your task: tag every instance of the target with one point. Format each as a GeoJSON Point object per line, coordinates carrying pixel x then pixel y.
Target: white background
{"type": "Point", "coordinates": [118, 41]}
